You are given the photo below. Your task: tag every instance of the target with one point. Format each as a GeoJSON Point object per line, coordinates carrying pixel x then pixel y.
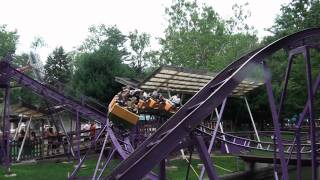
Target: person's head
{"type": "Point", "coordinates": [50, 129]}
{"type": "Point", "coordinates": [126, 94]}
{"type": "Point", "coordinates": [125, 88]}
{"type": "Point", "coordinates": [22, 132]}
{"type": "Point", "coordinates": [178, 95]}
{"type": "Point", "coordinates": [33, 134]}
{"type": "Point", "coordinates": [92, 123]}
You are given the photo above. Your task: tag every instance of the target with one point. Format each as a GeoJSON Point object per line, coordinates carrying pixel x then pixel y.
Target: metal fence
{"type": "Point", "coordinates": [30, 150]}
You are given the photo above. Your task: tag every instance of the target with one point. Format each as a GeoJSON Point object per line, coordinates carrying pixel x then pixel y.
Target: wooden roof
{"type": "Point", "coordinates": [183, 80]}
{"type": "Point", "coordinates": [127, 81]}
{"type": "Point", "coordinates": [27, 110]}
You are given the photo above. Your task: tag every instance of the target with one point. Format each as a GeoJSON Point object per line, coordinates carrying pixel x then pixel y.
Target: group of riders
{"type": "Point", "coordinates": [133, 98]}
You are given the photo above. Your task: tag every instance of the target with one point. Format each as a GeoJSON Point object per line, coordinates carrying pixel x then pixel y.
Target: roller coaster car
{"type": "Point", "coordinates": [151, 103]}
{"type": "Point", "coordinates": [112, 103]}
{"type": "Point", "coordinates": [141, 104]}
{"type": "Point", "coordinates": [167, 106]}
{"type": "Point", "coordinates": [121, 116]}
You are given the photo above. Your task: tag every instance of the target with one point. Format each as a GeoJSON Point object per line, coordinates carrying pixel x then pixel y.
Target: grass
{"type": "Point", "coordinates": [230, 163]}
{"type": "Point", "coordinates": [54, 171]}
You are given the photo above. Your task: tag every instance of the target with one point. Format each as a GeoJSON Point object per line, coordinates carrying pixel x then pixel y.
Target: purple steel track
{"type": "Point", "coordinates": [7, 72]}
{"type": "Point", "coordinates": [169, 135]}
{"type": "Point", "coordinates": [75, 106]}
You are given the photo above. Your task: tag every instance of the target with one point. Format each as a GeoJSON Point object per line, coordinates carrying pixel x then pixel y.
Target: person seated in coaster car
{"type": "Point", "coordinates": [175, 100]}
{"type": "Point", "coordinates": [162, 99]}
{"type": "Point", "coordinates": [132, 104]}
{"type": "Point", "coordinates": [123, 97]}
{"type": "Point", "coordinates": [156, 94]}
{"type": "Point", "coordinates": [144, 95]}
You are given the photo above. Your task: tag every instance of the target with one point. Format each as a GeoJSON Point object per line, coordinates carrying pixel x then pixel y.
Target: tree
{"type": "Point", "coordinates": [197, 37]}
{"type": "Point", "coordinates": [100, 59]}
{"type": "Point", "coordinates": [8, 41]}
{"type": "Point", "coordinates": [95, 72]}
{"type": "Point", "coordinates": [58, 67]}
{"type": "Point", "coordinates": [38, 42]}
{"type": "Point", "coordinates": [101, 35]}
{"type": "Point", "coordinates": [294, 16]}
{"type": "Point", "coordinates": [20, 93]}
{"type": "Point", "coordinates": [140, 55]}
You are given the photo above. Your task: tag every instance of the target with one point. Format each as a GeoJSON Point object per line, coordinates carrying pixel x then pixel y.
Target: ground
{"type": "Point", "coordinates": [177, 168]}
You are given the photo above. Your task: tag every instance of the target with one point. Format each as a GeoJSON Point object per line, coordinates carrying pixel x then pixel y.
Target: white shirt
{"type": "Point", "coordinates": [175, 99]}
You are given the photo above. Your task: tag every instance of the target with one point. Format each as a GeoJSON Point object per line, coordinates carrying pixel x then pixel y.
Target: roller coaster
{"type": "Point", "coordinates": [159, 145]}
{"type": "Point", "coordinates": [184, 127]}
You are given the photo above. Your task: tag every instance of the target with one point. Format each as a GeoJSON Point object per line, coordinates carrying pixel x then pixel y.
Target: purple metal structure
{"type": "Point", "coordinates": [172, 133]}
{"type": "Point", "coordinates": [8, 73]}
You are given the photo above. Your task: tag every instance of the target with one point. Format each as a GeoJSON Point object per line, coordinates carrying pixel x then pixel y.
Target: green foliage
{"type": "Point", "coordinates": [17, 93]}
{"type": "Point", "coordinates": [295, 16]}
{"type": "Point", "coordinates": [20, 60]}
{"type": "Point", "coordinates": [8, 41]}
{"type": "Point", "coordinates": [102, 35]}
{"type": "Point", "coordinates": [98, 64]}
{"type": "Point", "coordinates": [38, 42]}
{"type": "Point", "coordinates": [21, 93]}
{"type": "Point", "coordinates": [58, 67]}
{"type": "Point", "coordinates": [140, 55]}
{"type": "Point", "coordinates": [197, 37]}
{"type": "Point", "coordinates": [95, 72]}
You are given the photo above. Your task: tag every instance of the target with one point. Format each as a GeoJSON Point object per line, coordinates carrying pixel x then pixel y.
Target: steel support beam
{"type": "Point", "coordinates": [306, 55]}
{"type": "Point", "coordinates": [298, 149]}
{"type": "Point", "coordinates": [24, 139]}
{"type": "Point", "coordinates": [6, 130]}
{"type": "Point", "coordinates": [78, 129]}
{"type": "Point", "coordinates": [275, 119]}
{"type": "Point", "coordinates": [284, 91]}
{"type": "Point", "coordinates": [162, 172]}
{"type": "Point", "coordinates": [214, 134]}
{"type": "Point", "coordinates": [100, 156]}
{"type": "Point", "coordinates": [252, 121]}
{"type": "Point", "coordinates": [18, 128]}
{"type": "Point", "coordinates": [205, 157]}
{"type": "Point", "coordinates": [45, 91]}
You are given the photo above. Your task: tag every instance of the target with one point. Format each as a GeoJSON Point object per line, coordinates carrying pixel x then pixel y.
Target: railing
{"type": "Point", "coordinates": [31, 150]}
{"type": "Point", "coordinates": [45, 148]}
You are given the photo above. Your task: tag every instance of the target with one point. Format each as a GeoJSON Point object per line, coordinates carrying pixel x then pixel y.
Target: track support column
{"type": "Point", "coordinates": [6, 130]}
{"type": "Point", "coordinates": [205, 157]}
{"type": "Point", "coordinates": [78, 128]}
{"type": "Point", "coordinates": [214, 133]}
{"type": "Point", "coordinates": [162, 173]}
{"type": "Point", "coordinates": [306, 55]}
{"type": "Point", "coordinates": [252, 121]}
{"type": "Point", "coordinates": [275, 119]}
{"type": "Point", "coordinates": [298, 149]}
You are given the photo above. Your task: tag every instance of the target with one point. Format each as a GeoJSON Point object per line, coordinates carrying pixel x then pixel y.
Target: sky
{"type": "Point", "coordinates": [65, 22]}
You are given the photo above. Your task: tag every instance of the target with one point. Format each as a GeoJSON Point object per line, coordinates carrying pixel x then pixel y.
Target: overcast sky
{"type": "Point", "coordinates": [66, 22]}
